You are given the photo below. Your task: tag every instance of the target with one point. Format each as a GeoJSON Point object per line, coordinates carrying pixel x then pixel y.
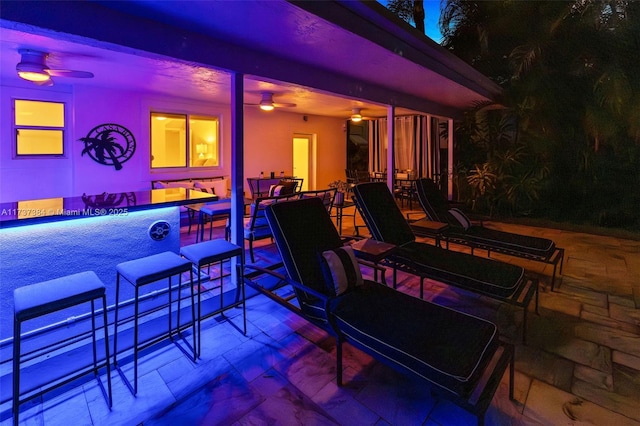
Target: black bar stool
{"type": "Point", "coordinates": [143, 271]}
{"type": "Point", "coordinates": [207, 253]}
{"type": "Point", "coordinates": [46, 297]}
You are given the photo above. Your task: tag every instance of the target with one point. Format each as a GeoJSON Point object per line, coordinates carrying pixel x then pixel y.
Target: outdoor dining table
{"type": "Point", "coordinates": [259, 186]}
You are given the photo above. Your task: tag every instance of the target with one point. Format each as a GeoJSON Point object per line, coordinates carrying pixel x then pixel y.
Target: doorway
{"type": "Point", "coordinates": [302, 158]}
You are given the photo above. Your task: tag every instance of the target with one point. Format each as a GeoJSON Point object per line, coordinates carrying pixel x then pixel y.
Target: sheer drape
{"type": "Point", "coordinates": [416, 145]}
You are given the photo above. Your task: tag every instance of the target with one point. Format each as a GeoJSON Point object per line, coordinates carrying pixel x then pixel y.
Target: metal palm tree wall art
{"type": "Point", "coordinates": [109, 144]}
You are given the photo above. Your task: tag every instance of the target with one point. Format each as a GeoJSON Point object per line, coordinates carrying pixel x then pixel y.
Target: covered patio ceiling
{"type": "Point", "coordinates": [326, 57]}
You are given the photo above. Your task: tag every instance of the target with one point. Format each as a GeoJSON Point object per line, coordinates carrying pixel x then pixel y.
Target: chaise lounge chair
{"type": "Point", "coordinates": [459, 354]}
{"type": "Point", "coordinates": [500, 281]}
{"type": "Point", "coordinates": [462, 231]}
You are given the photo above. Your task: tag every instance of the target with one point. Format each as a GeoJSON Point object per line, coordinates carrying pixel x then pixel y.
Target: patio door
{"type": "Point", "coordinates": [302, 158]}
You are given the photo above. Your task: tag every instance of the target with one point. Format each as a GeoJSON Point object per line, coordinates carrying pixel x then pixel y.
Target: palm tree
{"type": "Point", "coordinates": [411, 11]}
{"type": "Point", "coordinates": [570, 77]}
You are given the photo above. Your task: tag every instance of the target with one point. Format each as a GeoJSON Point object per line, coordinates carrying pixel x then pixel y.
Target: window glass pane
{"type": "Point", "coordinates": [37, 142]}
{"type": "Point", "coordinates": [41, 114]}
{"type": "Point", "coordinates": [203, 139]}
{"type": "Point", "coordinates": [37, 208]}
{"type": "Point", "coordinates": [168, 140]}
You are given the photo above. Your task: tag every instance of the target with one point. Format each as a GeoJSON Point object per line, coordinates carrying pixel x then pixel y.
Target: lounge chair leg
{"type": "Point", "coordinates": [253, 260]}
{"type": "Point", "coordinates": [395, 277]}
{"type": "Point", "coordinates": [421, 287]}
{"type": "Point", "coordinates": [524, 326]}
{"type": "Point", "coordinates": [339, 361]}
{"type": "Point", "coordinates": [537, 284]}
{"type": "Point", "coordinates": [512, 369]}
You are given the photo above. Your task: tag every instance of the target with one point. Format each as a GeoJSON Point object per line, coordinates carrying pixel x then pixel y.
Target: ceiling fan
{"type": "Point", "coordinates": [267, 104]}
{"type": "Point", "coordinates": [33, 67]}
{"type": "Point", "coordinates": [356, 115]}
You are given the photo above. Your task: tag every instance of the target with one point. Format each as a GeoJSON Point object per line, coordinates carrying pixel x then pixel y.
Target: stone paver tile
{"type": "Point", "coordinates": [153, 396]}
{"type": "Point", "coordinates": [609, 337]}
{"type": "Point", "coordinates": [582, 282]}
{"type": "Point", "coordinates": [626, 382]}
{"type": "Point", "coordinates": [70, 407]}
{"type": "Point", "coordinates": [595, 377]}
{"type": "Point", "coordinates": [583, 295]}
{"type": "Point", "coordinates": [625, 313]}
{"type": "Point", "coordinates": [622, 301]}
{"type": "Point", "coordinates": [586, 353]}
{"type": "Point", "coordinates": [544, 366]}
{"type": "Point", "coordinates": [602, 318]}
{"type": "Point", "coordinates": [622, 405]}
{"type": "Point", "coordinates": [521, 386]}
{"type": "Point", "coordinates": [623, 291]}
{"type": "Point", "coordinates": [339, 404]}
{"type": "Point", "coordinates": [626, 359]}
{"type": "Point", "coordinates": [552, 406]}
{"type": "Point", "coordinates": [560, 303]}
{"type": "Point", "coordinates": [596, 310]}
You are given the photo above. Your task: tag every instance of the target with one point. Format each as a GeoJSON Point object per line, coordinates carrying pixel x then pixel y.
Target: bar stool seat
{"type": "Point", "coordinates": [46, 297]}
{"type": "Point", "coordinates": [143, 271]}
{"type": "Point", "coordinates": [152, 268]}
{"type": "Point", "coordinates": [212, 210]}
{"type": "Point", "coordinates": [206, 253]}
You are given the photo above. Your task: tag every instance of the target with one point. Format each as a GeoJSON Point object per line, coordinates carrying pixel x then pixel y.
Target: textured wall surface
{"type": "Point", "coordinates": [43, 252]}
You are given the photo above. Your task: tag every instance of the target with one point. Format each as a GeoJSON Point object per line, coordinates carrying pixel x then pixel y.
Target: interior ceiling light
{"type": "Point", "coordinates": [33, 67]}
{"type": "Point", "coordinates": [266, 103]}
{"type": "Point", "coordinates": [355, 115]}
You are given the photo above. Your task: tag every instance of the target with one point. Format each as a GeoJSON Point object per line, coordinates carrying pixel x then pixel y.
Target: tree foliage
{"type": "Point", "coordinates": [411, 11]}
{"type": "Point", "coordinates": [571, 77]}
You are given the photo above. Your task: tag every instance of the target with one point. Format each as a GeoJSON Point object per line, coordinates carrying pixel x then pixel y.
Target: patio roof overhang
{"type": "Point", "coordinates": [356, 50]}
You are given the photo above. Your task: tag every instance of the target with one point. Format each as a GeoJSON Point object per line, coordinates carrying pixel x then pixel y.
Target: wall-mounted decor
{"type": "Point", "coordinates": [109, 144]}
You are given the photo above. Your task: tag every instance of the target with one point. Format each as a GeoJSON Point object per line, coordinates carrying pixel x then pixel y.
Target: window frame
{"type": "Point", "coordinates": [15, 128]}
{"type": "Point", "coordinates": [188, 115]}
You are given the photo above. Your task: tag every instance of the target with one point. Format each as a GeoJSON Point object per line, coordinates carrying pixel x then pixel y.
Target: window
{"type": "Point", "coordinates": [184, 141]}
{"type": "Point", "coordinates": [39, 127]}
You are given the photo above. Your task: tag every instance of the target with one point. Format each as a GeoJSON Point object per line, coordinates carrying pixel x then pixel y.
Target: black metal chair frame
{"type": "Point", "coordinates": [554, 257]}
{"type": "Point", "coordinates": [476, 402]}
{"type": "Point", "coordinates": [525, 291]}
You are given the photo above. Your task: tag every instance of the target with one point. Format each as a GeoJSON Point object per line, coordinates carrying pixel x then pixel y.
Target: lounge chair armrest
{"type": "Point", "coordinates": [291, 282]}
{"type": "Point", "coordinates": [372, 265]}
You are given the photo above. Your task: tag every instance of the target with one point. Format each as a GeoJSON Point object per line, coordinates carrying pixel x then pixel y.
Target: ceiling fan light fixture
{"type": "Point", "coordinates": [266, 103]}
{"type": "Point", "coordinates": [37, 77]}
{"type": "Point", "coordinates": [32, 66]}
{"type": "Point", "coordinates": [356, 117]}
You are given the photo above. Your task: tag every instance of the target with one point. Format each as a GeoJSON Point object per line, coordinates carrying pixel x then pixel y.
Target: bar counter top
{"type": "Point", "coordinates": [28, 212]}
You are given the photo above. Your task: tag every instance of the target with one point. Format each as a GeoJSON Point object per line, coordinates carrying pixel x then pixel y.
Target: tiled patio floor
{"type": "Point", "coordinates": [581, 364]}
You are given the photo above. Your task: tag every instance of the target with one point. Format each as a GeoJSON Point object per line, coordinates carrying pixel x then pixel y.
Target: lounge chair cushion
{"type": "Point", "coordinates": [478, 274]}
{"type": "Point", "coordinates": [341, 270]}
{"type": "Point", "coordinates": [386, 223]}
{"type": "Point", "coordinates": [451, 349]}
{"type": "Point", "coordinates": [507, 241]}
{"type": "Point", "coordinates": [437, 208]}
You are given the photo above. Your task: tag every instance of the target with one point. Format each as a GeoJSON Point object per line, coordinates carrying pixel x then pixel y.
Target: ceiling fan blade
{"type": "Point", "coordinates": [284, 105]}
{"type": "Point", "coordinates": [70, 73]}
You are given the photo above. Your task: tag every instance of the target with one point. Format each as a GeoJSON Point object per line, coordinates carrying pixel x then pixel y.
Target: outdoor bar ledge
{"type": "Point", "coordinates": [45, 239]}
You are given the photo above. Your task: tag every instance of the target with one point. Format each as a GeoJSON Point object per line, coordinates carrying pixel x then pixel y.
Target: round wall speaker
{"type": "Point", "coordinates": [159, 230]}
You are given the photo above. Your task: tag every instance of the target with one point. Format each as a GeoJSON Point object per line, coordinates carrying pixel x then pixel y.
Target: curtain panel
{"type": "Point", "coordinates": [417, 145]}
